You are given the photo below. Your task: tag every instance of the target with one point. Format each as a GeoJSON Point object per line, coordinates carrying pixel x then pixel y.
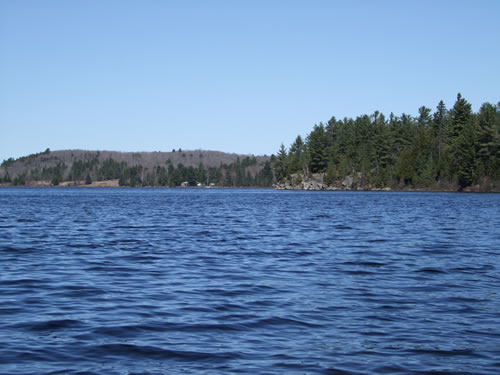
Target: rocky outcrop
{"type": "Point", "coordinates": [355, 181]}
{"type": "Point", "coordinates": [316, 181]}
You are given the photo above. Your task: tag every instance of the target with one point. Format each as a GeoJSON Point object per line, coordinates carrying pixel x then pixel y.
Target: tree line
{"type": "Point", "coordinates": [244, 172]}
{"type": "Point", "coordinates": [441, 148]}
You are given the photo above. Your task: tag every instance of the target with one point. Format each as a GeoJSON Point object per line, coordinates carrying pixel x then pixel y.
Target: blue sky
{"type": "Point", "coordinates": [234, 76]}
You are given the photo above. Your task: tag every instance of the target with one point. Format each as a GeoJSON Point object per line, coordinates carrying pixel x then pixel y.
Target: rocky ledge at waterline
{"type": "Point", "coordinates": [355, 181]}
{"type": "Point", "coordinates": [316, 181]}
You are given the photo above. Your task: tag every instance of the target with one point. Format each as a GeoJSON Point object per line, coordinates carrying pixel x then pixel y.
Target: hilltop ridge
{"type": "Point", "coordinates": [174, 168]}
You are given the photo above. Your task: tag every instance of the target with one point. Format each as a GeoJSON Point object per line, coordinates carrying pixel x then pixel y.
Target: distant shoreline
{"type": "Point", "coordinates": [114, 184]}
{"type": "Point", "coordinates": [112, 169]}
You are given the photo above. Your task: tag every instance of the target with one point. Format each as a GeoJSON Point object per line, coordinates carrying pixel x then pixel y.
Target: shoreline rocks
{"type": "Point", "coordinates": [354, 182]}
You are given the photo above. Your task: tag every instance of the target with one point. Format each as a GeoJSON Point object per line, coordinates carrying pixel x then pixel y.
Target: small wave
{"type": "Point", "coordinates": [230, 307]}
{"type": "Point", "coordinates": [358, 272]}
{"type": "Point", "coordinates": [374, 333]}
{"type": "Point", "coordinates": [343, 227]}
{"type": "Point", "coordinates": [365, 264]}
{"type": "Point", "coordinates": [26, 220]}
{"type": "Point", "coordinates": [69, 371]}
{"type": "Point", "coordinates": [76, 291]}
{"type": "Point", "coordinates": [430, 270]}
{"type": "Point", "coordinates": [277, 321]}
{"type": "Point", "coordinates": [463, 299]}
{"type": "Point", "coordinates": [84, 245]}
{"type": "Point", "coordinates": [22, 282]}
{"type": "Point", "coordinates": [49, 325]}
{"type": "Point", "coordinates": [322, 216]}
{"type": "Point", "coordinates": [383, 318]}
{"type": "Point", "coordinates": [336, 371]}
{"type": "Point", "coordinates": [10, 310]}
{"type": "Point", "coordinates": [391, 369]}
{"type": "Point", "coordinates": [38, 355]}
{"type": "Point", "coordinates": [153, 352]}
{"type": "Point", "coordinates": [378, 240]}
{"type": "Point", "coordinates": [210, 327]}
{"type": "Point", "coordinates": [19, 250]}
{"type": "Point", "coordinates": [486, 267]}
{"type": "Point", "coordinates": [447, 353]}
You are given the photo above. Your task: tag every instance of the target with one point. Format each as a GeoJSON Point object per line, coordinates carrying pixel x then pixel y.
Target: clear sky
{"type": "Point", "coordinates": [235, 76]}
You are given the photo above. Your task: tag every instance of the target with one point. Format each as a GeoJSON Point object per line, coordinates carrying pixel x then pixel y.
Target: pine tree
{"type": "Point", "coordinates": [281, 164]}
{"type": "Point", "coordinates": [439, 125]}
{"type": "Point", "coordinates": [295, 155]}
{"type": "Point", "coordinates": [424, 118]}
{"type": "Point", "coordinates": [465, 155]}
{"type": "Point", "coordinates": [460, 116]}
{"type": "Point", "coordinates": [462, 139]}
{"type": "Point", "coordinates": [488, 140]}
{"type": "Point", "coordinates": [317, 142]}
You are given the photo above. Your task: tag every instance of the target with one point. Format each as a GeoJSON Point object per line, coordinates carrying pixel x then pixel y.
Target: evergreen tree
{"type": "Point", "coordinates": [462, 139]}
{"type": "Point", "coordinates": [460, 117]}
{"type": "Point", "coordinates": [465, 155]}
{"type": "Point", "coordinates": [488, 142]}
{"type": "Point", "coordinates": [331, 174]}
{"type": "Point", "coordinates": [424, 116]}
{"type": "Point", "coordinates": [317, 144]}
{"type": "Point", "coordinates": [228, 179]}
{"type": "Point", "coordinates": [265, 176]}
{"type": "Point", "coordinates": [440, 126]}
{"type": "Point", "coordinates": [281, 164]}
{"type": "Point", "coordinates": [296, 155]}
{"type": "Point", "coordinates": [455, 146]}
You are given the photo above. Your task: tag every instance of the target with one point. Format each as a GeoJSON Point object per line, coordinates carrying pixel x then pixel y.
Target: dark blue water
{"type": "Point", "coordinates": [213, 281]}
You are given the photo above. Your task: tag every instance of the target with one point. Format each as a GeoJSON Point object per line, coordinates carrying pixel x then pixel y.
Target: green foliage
{"type": "Point", "coordinates": [19, 180]}
{"type": "Point", "coordinates": [231, 175]}
{"type": "Point", "coordinates": [8, 162]}
{"type": "Point", "coordinates": [265, 175]}
{"type": "Point", "coordinates": [110, 169]}
{"type": "Point", "coordinates": [132, 176]}
{"type": "Point", "coordinates": [464, 152]}
{"type": "Point", "coordinates": [80, 168]}
{"type": "Point", "coordinates": [281, 164]}
{"type": "Point", "coordinates": [244, 172]}
{"type": "Point", "coordinates": [331, 175]}
{"type": "Point", "coordinates": [460, 117]}
{"type": "Point", "coordinates": [317, 145]}
{"type": "Point", "coordinates": [54, 174]}
{"type": "Point", "coordinates": [444, 147]}
{"type": "Point", "coordinates": [297, 159]}
{"type": "Point", "coordinates": [488, 139]}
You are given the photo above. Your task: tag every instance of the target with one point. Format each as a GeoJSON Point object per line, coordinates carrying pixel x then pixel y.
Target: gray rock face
{"type": "Point", "coordinates": [313, 182]}
{"type": "Point", "coordinates": [347, 182]}
{"type": "Point", "coordinates": [316, 182]}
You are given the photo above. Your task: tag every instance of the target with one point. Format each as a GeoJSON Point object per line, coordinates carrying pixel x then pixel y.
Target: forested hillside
{"type": "Point", "coordinates": [176, 168]}
{"type": "Point", "coordinates": [439, 150]}
{"type": "Point", "coordinates": [444, 149]}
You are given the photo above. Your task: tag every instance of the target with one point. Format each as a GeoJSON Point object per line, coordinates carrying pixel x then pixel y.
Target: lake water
{"type": "Point", "coordinates": [216, 281]}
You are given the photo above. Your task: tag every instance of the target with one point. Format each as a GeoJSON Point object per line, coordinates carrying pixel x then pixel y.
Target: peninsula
{"type": "Point", "coordinates": [444, 150]}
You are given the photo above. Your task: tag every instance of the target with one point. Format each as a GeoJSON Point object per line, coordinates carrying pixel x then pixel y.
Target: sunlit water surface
{"type": "Point", "coordinates": [214, 281]}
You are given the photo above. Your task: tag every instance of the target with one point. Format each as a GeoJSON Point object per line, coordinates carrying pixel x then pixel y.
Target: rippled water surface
{"type": "Point", "coordinates": [214, 281]}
